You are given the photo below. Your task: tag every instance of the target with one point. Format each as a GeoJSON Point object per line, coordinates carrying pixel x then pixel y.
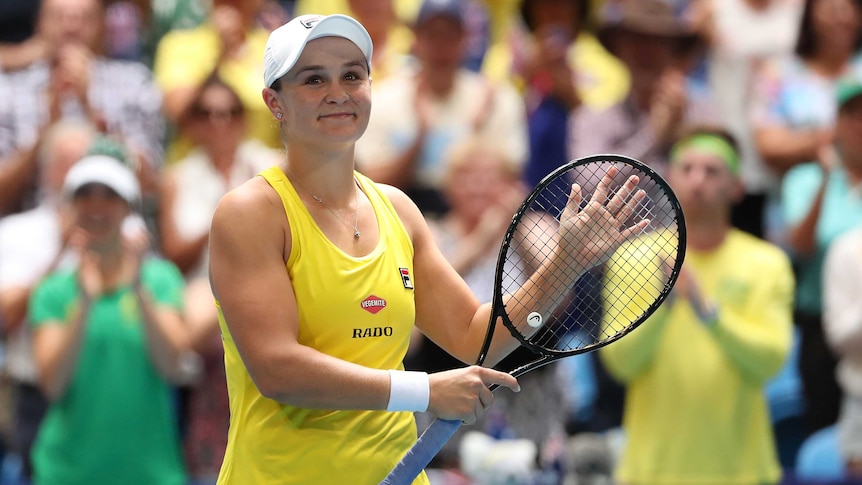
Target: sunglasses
{"type": "Point", "coordinates": [216, 114]}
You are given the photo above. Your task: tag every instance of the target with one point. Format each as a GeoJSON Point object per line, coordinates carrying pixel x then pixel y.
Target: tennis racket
{"type": "Point", "coordinates": [626, 264]}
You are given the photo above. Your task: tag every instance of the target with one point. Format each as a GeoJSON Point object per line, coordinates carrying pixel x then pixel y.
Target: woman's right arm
{"type": "Point", "coordinates": [249, 240]}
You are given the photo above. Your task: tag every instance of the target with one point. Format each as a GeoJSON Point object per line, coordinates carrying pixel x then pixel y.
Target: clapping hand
{"type": "Point", "coordinates": [589, 235]}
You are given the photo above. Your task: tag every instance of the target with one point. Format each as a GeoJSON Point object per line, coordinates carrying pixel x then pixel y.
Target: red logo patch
{"type": "Point", "coordinates": [373, 304]}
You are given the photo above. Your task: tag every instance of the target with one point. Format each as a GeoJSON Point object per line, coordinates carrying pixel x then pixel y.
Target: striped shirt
{"type": "Point", "coordinates": [122, 92]}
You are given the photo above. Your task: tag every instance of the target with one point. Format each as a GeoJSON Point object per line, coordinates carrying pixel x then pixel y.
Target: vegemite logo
{"type": "Point", "coordinates": [310, 22]}
{"type": "Point", "coordinates": [373, 304]}
{"type": "Point", "coordinates": [405, 278]}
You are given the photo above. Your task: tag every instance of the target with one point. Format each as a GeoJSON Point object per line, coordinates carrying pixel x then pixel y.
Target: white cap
{"type": "Point", "coordinates": [285, 44]}
{"type": "Point", "coordinates": [104, 170]}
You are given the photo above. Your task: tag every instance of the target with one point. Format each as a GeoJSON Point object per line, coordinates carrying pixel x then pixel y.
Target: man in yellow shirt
{"type": "Point", "coordinates": [695, 410]}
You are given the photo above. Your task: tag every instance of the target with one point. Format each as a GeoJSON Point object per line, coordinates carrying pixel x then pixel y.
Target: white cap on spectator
{"type": "Point", "coordinates": [104, 170]}
{"type": "Point", "coordinates": [285, 44]}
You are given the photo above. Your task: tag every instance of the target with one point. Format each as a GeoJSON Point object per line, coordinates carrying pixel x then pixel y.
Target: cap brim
{"type": "Point", "coordinates": [104, 170]}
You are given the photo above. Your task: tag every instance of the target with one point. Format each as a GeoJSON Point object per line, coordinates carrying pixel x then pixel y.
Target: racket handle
{"type": "Point", "coordinates": [426, 447]}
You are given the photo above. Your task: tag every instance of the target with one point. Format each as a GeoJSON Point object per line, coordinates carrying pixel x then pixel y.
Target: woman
{"type": "Point", "coordinates": [320, 275]}
{"type": "Point", "coordinates": [108, 342]}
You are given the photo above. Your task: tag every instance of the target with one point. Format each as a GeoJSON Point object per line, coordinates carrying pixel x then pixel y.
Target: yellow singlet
{"type": "Point", "coordinates": [357, 309]}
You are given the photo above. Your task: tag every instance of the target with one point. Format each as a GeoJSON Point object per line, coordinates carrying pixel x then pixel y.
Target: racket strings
{"type": "Point", "coordinates": [608, 299]}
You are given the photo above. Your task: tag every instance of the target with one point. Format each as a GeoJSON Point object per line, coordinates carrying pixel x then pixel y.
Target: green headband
{"type": "Point", "coordinates": [711, 144]}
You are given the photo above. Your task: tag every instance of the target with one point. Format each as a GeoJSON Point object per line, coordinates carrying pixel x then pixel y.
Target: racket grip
{"type": "Point", "coordinates": [418, 457]}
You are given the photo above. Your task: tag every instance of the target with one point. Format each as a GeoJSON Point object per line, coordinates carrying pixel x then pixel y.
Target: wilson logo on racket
{"type": "Point", "coordinates": [373, 304]}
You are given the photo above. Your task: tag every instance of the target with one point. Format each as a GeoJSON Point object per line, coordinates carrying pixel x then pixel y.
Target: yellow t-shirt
{"type": "Point", "coordinates": [184, 58]}
{"type": "Point", "coordinates": [357, 309]}
{"type": "Point", "coordinates": [695, 409]}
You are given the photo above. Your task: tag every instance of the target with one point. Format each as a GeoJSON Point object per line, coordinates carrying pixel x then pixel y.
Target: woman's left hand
{"type": "Point", "coordinates": [592, 233]}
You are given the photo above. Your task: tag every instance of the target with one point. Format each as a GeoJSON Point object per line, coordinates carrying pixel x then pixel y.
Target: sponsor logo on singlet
{"type": "Point", "coordinates": [373, 304]}
{"type": "Point", "coordinates": [369, 332]}
{"type": "Point", "coordinates": [405, 278]}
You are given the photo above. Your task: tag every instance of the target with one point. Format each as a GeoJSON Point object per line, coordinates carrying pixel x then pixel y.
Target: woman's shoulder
{"type": "Point", "coordinates": [403, 205]}
{"type": "Point", "coordinates": [251, 201]}
{"type": "Point", "coordinates": [396, 196]}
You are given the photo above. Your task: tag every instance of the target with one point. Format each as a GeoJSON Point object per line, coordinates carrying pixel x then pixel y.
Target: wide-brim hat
{"type": "Point", "coordinates": [650, 17]}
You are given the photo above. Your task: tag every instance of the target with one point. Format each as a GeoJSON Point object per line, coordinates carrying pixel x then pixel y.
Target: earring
{"type": "Point", "coordinates": [279, 116]}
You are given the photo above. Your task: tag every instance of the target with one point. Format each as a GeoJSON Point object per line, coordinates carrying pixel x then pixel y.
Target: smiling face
{"type": "Point", "coordinates": [100, 212]}
{"type": "Point", "coordinates": [217, 119]}
{"type": "Point", "coordinates": [325, 98]}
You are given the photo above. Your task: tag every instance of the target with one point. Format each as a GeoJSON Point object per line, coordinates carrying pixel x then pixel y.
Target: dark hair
{"type": "Point", "coordinates": [582, 7]}
{"type": "Point", "coordinates": [806, 39]}
{"type": "Point", "coordinates": [214, 81]}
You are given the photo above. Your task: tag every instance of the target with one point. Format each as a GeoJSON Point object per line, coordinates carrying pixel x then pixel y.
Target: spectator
{"type": "Point", "coordinates": [421, 111]}
{"type": "Point", "coordinates": [743, 35]}
{"type": "Point", "coordinates": [795, 110]}
{"type": "Point", "coordinates": [108, 339]}
{"type": "Point", "coordinates": [75, 81]}
{"type": "Point", "coordinates": [230, 43]}
{"type": "Point", "coordinates": [223, 159]}
{"type": "Point", "coordinates": [658, 48]}
{"type": "Point", "coordinates": [391, 35]}
{"type": "Point", "coordinates": [821, 201]}
{"type": "Point", "coordinates": [562, 67]}
{"type": "Point", "coordinates": [695, 372]}
{"type": "Point", "coordinates": [33, 244]}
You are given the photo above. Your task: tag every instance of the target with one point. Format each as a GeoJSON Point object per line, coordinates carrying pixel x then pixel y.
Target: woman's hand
{"type": "Point", "coordinates": [465, 394]}
{"type": "Point", "coordinates": [589, 235]}
{"type": "Point", "coordinates": [135, 246]}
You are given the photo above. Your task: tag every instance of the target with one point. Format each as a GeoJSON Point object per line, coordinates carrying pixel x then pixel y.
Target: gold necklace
{"type": "Point", "coordinates": [320, 201]}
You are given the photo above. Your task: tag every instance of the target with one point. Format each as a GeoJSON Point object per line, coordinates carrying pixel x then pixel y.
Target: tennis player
{"type": "Point", "coordinates": [320, 275]}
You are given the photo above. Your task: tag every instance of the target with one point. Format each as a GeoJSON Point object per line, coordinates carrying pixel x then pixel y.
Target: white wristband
{"type": "Point", "coordinates": [408, 391]}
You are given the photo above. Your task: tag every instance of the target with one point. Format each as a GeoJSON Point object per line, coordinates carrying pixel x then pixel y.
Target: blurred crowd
{"type": "Point", "coordinates": [134, 117]}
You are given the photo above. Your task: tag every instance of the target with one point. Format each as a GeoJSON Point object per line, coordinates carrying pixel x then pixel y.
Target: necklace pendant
{"type": "Point", "coordinates": [356, 233]}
